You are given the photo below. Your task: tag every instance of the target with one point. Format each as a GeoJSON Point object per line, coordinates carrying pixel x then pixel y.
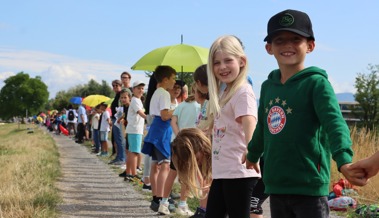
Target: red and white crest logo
{"type": "Point", "coordinates": [276, 119]}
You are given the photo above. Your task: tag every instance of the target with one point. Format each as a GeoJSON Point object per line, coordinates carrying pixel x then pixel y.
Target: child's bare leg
{"type": "Point", "coordinates": [169, 183]}
{"type": "Point", "coordinates": [153, 177]}
{"type": "Point", "coordinates": [161, 179]}
{"type": "Point", "coordinates": [133, 162]}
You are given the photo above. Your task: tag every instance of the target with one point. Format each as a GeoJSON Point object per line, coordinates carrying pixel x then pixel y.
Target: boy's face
{"type": "Point", "coordinates": [170, 82]}
{"type": "Point", "coordinates": [138, 91]}
{"type": "Point", "coordinates": [290, 48]}
{"type": "Point", "coordinates": [124, 99]}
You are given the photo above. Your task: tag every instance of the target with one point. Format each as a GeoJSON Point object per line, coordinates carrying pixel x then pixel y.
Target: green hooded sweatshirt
{"type": "Point", "coordinates": [299, 126]}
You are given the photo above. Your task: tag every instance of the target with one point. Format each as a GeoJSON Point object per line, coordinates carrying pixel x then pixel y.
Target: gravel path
{"type": "Point", "coordinates": [90, 188]}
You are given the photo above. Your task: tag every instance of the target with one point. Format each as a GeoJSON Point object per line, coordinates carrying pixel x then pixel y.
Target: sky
{"type": "Point", "coordinates": [70, 42]}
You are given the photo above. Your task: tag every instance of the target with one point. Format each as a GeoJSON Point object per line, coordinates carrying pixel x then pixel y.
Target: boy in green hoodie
{"type": "Point", "coordinates": [300, 125]}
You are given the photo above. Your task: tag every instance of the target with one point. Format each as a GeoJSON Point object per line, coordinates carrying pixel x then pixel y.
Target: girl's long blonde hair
{"type": "Point", "coordinates": [185, 146]}
{"type": "Point", "coordinates": [233, 46]}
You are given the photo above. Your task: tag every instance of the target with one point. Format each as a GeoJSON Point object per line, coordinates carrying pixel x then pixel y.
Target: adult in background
{"type": "Point", "coordinates": [116, 131]}
{"type": "Point", "coordinates": [82, 121]}
{"type": "Point", "coordinates": [125, 79]}
{"type": "Point", "coordinates": [71, 119]}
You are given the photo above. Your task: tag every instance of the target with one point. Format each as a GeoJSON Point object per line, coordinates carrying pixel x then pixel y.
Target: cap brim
{"type": "Point", "coordinates": [139, 84]}
{"type": "Point", "coordinates": [269, 37]}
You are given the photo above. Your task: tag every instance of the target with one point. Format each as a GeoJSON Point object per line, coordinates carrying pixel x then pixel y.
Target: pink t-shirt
{"type": "Point", "coordinates": [229, 138]}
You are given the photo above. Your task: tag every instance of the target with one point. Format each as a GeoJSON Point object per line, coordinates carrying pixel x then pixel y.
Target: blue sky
{"type": "Point", "coordinates": [69, 42]}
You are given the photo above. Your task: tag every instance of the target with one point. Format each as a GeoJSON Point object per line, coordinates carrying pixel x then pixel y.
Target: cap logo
{"type": "Point", "coordinates": [286, 20]}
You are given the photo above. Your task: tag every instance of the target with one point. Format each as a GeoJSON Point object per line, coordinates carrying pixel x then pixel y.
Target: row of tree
{"type": "Point", "coordinates": [22, 95]}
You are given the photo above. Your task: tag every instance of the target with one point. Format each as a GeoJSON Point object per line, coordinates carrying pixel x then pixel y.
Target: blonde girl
{"type": "Point", "coordinates": [234, 114]}
{"type": "Point", "coordinates": [191, 156]}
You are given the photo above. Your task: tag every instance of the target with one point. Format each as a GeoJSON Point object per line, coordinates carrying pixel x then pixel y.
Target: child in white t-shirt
{"type": "Point", "coordinates": [104, 127]}
{"type": "Point", "coordinates": [136, 121]}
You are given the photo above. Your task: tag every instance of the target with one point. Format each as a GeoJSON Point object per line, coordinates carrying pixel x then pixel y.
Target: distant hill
{"type": "Point", "coordinates": [346, 96]}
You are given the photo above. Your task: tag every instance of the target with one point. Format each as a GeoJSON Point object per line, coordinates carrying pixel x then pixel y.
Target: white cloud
{"type": "Point", "coordinates": [340, 87]}
{"type": "Point", "coordinates": [60, 72]}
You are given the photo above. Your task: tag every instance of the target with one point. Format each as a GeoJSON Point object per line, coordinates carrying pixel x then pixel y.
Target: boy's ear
{"type": "Point", "coordinates": [311, 45]}
{"type": "Point", "coordinates": [268, 48]}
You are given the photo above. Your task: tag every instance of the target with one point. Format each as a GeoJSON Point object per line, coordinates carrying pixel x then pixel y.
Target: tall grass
{"type": "Point", "coordinates": [29, 166]}
{"type": "Point", "coordinates": [365, 143]}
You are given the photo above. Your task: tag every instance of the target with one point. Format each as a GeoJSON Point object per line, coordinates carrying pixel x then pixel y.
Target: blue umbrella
{"type": "Point", "coordinates": [76, 100]}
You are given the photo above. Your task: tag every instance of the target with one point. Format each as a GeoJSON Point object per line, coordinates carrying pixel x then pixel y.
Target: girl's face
{"type": "Point", "coordinates": [124, 99]}
{"type": "Point", "coordinates": [116, 88]}
{"type": "Point", "coordinates": [175, 91]}
{"type": "Point", "coordinates": [226, 67]}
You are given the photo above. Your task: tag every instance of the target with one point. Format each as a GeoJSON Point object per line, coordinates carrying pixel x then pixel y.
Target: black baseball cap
{"type": "Point", "coordinates": [290, 20]}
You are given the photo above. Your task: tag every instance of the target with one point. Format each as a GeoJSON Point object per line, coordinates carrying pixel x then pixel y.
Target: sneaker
{"type": "Point", "coordinates": [123, 174]}
{"type": "Point", "coordinates": [146, 188]}
{"type": "Point", "coordinates": [184, 211]}
{"type": "Point", "coordinates": [135, 179]}
{"type": "Point", "coordinates": [154, 206]}
{"type": "Point", "coordinates": [128, 178]}
{"type": "Point", "coordinates": [163, 209]}
{"type": "Point", "coordinates": [123, 167]}
{"type": "Point", "coordinates": [98, 154]}
{"type": "Point", "coordinates": [139, 170]}
{"type": "Point", "coordinates": [104, 154]}
{"type": "Point", "coordinates": [171, 205]}
{"type": "Point", "coordinates": [200, 213]}
{"type": "Point", "coordinates": [118, 163]}
{"type": "Point", "coordinates": [112, 161]}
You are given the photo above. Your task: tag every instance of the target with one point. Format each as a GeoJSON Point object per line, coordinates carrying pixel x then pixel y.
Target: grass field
{"type": "Point", "coordinates": [29, 167]}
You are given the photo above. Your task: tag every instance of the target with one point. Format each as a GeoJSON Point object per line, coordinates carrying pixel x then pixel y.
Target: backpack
{"type": "Point", "coordinates": [71, 115]}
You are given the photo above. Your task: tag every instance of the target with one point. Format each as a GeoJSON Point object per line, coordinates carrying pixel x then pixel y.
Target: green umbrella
{"type": "Point", "coordinates": [181, 57]}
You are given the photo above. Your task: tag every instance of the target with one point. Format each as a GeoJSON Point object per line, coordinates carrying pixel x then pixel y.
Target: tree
{"type": "Point", "coordinates": [368, 96]}
{"type": "Point", "coordinates": [22, 94]}
{"type": "Point", "coordinates": [62, 98]}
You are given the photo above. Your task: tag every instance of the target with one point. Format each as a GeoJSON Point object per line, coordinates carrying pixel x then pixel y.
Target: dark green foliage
{"type": "Point", "coordinates": [367, 96]}
{"type": "Point", "coordinates": [22, 93]}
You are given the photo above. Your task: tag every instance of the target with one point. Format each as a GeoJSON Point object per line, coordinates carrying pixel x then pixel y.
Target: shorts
{"type": "Point", "coordinates": [126, 142]}
{"type": "Point", "coordinates": [103, 136]}
{"type": "Point", "coordinates": [158, 157]}
{"type": "Point", "coordinates": [134, 141]}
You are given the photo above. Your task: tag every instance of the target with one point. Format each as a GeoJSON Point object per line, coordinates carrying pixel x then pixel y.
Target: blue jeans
{"type": "Point", "coordinates": [117, 134]}
{"type": "Point", "coordinates": [96, 139]}
{"type": "Point", "coordinates": [288, 206]}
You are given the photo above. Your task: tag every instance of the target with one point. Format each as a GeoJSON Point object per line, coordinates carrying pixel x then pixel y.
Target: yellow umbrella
{"type": "Point", "coordinates": [94, 100]}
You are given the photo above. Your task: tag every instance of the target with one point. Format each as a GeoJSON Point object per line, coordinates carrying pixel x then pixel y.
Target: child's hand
{"type": "Point", "coordinates": [355, 176]}
{"type": "Point", "coordinates": [254, 166]}
{"type": "Point", "coordinates": [368, 166]}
